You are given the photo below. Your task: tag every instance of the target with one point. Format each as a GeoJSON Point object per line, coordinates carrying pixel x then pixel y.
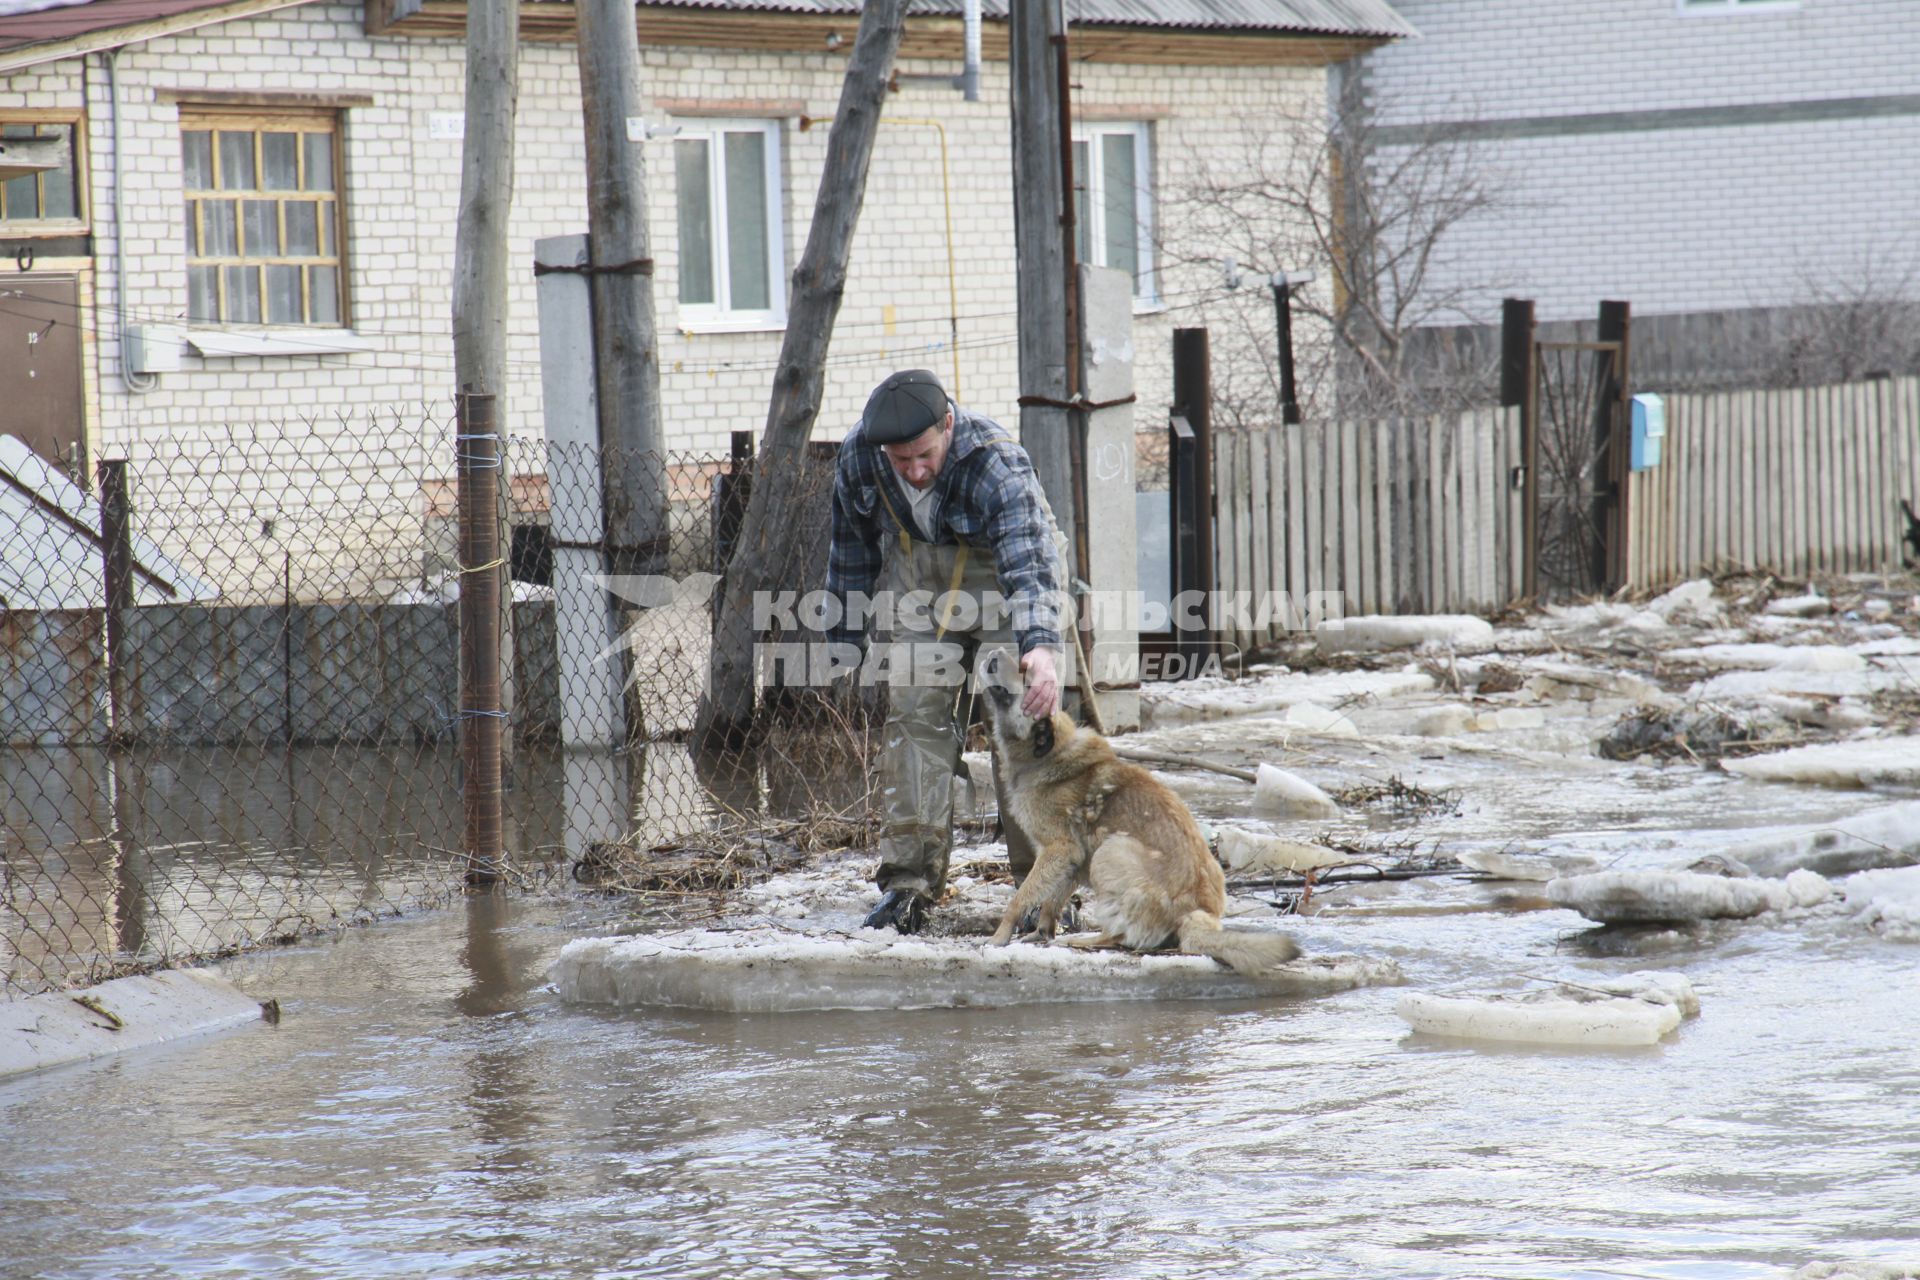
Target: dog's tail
{"type": "Point", "coordinates": [1254, 954]}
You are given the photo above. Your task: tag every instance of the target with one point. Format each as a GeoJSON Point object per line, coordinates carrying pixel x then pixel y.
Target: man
{"type": "Point", "coordinates": [928, 497]}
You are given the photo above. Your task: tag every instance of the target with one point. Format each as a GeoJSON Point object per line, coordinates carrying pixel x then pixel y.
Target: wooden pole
{"type": "Point", "coordinates": [1042, 230]}
{"type": "Point", "coordinates": [480, 243]}
{"type": "Point", "coordinates": [1615, 325]}
{"type": "Point", "coordinates": [482, 712]}
{"type": "Point", "coordinates": [625, 345]}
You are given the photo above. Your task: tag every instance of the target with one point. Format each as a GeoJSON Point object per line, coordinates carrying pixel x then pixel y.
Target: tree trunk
{"type": "Point", "coordinates": [726, 712]}
{"type": "Point", "coordinates": [626, 352]}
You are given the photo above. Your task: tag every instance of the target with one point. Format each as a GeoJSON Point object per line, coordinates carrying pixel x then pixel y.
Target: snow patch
{"type": "Point", "coordinates": [1807, 606]}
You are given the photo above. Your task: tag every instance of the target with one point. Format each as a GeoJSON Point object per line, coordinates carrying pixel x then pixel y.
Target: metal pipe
{"type": "Point", "coordinates": [132, 380]}
{"type": "Point", "coordinates": [953, 285]}
{"type": "Point", "coordinates": [970, 74]}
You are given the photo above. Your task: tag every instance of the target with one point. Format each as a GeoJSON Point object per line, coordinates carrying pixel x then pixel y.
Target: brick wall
{"type": "Point", "coordinates": [403, 188]}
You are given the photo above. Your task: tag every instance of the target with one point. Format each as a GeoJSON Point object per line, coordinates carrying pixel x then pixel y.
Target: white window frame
{"type": "Point", "coordinates": [1146, 294]}
{"type": "Point", "coordinates": [719, 316]}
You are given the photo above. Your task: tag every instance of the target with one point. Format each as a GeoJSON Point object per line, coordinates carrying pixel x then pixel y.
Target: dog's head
{"type": "Point", "coordinates": [1019, 736]}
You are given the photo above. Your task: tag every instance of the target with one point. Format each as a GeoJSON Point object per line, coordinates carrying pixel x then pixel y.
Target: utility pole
{"type": "Point", "coordinates": [1043, 237]}
{"type": "Point", "coordinates": [480, 263]}
{"type": "Point", "coordinates": [1283, 287]}
{"type": "Point", "coordinates": [486, 196]}
{"type": "Point", "coordinates": [625, 346]}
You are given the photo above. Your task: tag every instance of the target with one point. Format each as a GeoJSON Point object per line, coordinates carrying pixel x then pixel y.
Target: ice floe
{"type": "Point", "coordinates": [1187, 702]}
{"type": "Point", "coordinates": [1276, 791]}
{"type": "Point", "coordinates": [1887, 902]}
{"type": "Point", "coordinates": [773, 971]}
{"type": "Point", "coordinates": [1373, 633]}
{"type": "Point", "coordinates": [1507, 866]}
{"type": "Point", "coordinates": [1637, 1009]}
{"type": "Point", "coordinates": [1258, 853]}
{"type": "Point", "coordinates": [1888, 836]}
{"type": "Point", "coordinates": [1859, 763]}
{"type": "Point", "coordinates": [1666, 897]}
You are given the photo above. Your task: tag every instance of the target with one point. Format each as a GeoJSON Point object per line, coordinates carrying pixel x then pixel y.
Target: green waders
{"type": "Point", "coordinates": [927, 714]}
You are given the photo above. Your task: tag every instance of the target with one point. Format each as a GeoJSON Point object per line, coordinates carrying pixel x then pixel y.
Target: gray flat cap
{"type": "Point", "coordinates": [903, 406]}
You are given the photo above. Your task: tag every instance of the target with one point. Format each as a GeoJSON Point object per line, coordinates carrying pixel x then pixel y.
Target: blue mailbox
{"type": "Point", "coordinates": [1649, 430]}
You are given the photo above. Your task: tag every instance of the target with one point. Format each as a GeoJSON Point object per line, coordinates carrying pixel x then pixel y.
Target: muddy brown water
{"type": "Point", "coordinates": [428, 1108]}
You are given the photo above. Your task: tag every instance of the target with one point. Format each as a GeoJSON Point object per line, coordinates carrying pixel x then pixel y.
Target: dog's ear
{"type": "Point", "coordinates": [1042, 738]}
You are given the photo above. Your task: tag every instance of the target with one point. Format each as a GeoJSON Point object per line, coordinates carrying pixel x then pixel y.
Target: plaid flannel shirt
{"type": "Point", "coordinates": [986, 496]}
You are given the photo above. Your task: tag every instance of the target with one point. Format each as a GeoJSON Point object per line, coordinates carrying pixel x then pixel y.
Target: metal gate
{"type": "Point", "coordinates": [1576, 467]}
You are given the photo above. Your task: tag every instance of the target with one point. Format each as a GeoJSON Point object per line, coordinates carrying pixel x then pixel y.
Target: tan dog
{"type": "Point", "coordinates": [1094, 819]}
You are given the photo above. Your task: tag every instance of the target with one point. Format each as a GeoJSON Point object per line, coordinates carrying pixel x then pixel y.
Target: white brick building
{"type": "Point", "coordinates": [251, 124]}
{"type": "Point", "coordinates": [1685, 155]}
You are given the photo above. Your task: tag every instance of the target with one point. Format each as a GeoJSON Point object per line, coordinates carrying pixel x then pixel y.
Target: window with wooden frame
{"type": "Point", "coordinates": [264, 219]}
{"type": "Point", "coordinates": [49, 202]}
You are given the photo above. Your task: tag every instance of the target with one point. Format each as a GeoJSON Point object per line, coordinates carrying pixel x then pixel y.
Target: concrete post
{"type": "Point", "coordinates": [1106, 375]}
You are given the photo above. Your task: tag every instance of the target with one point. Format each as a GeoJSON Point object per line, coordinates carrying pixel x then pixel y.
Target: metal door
{"type": "Point", "coordinates": [42, 393]}
{"type": "Point", "coordinates": [1578, 431]}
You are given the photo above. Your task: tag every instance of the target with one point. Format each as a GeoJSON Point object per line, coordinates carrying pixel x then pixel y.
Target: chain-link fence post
{"type": "Point", "coordinates": [482, 720]}
{"type": "Point", "coordinates": [116, 554]}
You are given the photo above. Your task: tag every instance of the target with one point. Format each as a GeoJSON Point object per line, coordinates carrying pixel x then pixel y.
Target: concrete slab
{"type": "Point", "coordinates": [61, 1027]}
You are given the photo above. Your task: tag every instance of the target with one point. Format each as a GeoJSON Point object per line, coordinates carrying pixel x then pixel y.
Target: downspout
{"type": "Point", "coordinates": [133, 381]}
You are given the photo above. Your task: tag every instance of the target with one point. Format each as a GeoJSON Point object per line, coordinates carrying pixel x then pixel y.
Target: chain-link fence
{"type": "Point", "coordinates": [230, 699]}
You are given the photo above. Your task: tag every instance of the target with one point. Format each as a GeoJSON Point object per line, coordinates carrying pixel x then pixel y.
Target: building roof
{"type": "Point", "coordinates": [43, 30]}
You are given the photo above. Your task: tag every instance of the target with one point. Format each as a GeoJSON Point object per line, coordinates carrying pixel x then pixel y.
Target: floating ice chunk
{"type": "Point", "coordinates": [1807, 606]}
{"type": "Point", "coordinates": [1693, 598]}
{"type": "Point", "coordinates": [1563, 681]}
{"type": "Point", "coordinates": [1255, 852]}
{"type": "Point", "coordinates": [1279, 792]}
{"type": "Point", "coordinates": [1888, 836]}
{"type": "Point", "coordinates": [1195, 700]}
{"type": "Point", "coordinates": [1808, 888]}
{"type": "Point", "coordinates": [769, 971]}
{"type": "Point", "coordinates": [1639, 1009]}
{"type": "Point", "coordinates": [1371, 633]}
{"type": "Point", "coordinates": [1820, 657]}
{"type": "Point", "coordinates": [1870, 762]}
{"type": "Point", "coordinates": [1754, 685]}
{"type": "Point", "coordinates": [1509, 718]}
{"type": "Point", "coordinates": [1314, 718]}
{"type": "Point", "coordinates": [1540, 869]}
{"type": "Point", "coordinates": [1655, 897]}
{"type": "Point", "coordinates": [1857, 1270]}
{"type": "Point", "coordinates": [1820, 713]}
{"type": "Point", "coordinates": [1756, 657]}
{"type": "Point", "coordinates": [1449, 720]}
{"type": "Point", "coordinates": [1887, 902]}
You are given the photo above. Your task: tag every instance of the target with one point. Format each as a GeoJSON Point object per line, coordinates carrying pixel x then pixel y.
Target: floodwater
{"type": "Point", "coordinates": [428, 1108]}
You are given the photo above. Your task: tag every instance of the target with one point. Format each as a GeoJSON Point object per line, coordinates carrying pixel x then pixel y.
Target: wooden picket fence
{"type": "Point", "coordinates": [1406, 516]}
{"type": "Point", "coordinates": [1795, 481]}
{"type": "Point", "coordinates": [1425, 515]}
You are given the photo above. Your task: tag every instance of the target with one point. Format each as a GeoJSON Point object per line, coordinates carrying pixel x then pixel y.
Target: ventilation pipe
{"type": "Point", "coordinates": [970, 75]}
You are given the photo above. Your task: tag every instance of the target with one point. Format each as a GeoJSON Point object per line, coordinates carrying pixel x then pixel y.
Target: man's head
{"type": "Point", "coordinates": [909, 417]}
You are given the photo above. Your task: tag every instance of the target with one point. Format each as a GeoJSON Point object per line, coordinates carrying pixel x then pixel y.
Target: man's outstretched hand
{"type": "Point", "coordinates": [1042, 681]}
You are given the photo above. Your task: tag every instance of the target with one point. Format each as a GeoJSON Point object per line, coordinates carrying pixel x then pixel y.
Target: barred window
{"type": "Point", "coordinates": [264, 218]}
{"type": "Point", "coordinates": [50, 195]}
